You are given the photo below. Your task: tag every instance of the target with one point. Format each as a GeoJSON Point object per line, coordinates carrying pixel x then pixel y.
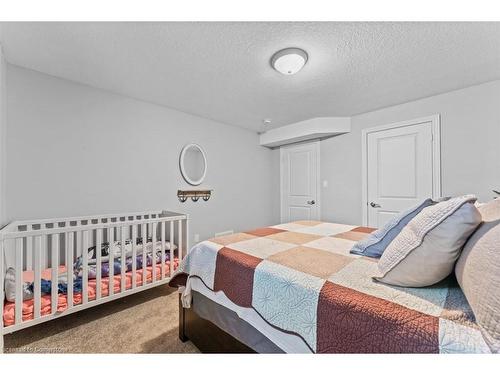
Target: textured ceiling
{"type": "Point", "coordinates": [221, 71]}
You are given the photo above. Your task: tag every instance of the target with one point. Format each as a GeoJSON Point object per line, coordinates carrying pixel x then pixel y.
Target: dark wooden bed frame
{"type": "Point", "coordinates": [205, 335]}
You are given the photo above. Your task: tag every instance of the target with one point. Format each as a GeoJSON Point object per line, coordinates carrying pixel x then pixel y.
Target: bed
{"type": "Point", "coordinates": [295, 288]}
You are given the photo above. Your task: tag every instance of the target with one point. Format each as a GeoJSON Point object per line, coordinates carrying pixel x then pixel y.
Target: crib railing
{"type": "Point", "coordinates": [36, 245]}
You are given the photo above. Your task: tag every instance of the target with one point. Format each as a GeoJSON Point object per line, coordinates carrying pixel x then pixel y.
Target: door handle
{"type": "Point", "coordinates": [311, 202]}
{"type": "Point", "coordinates": [375, 205]}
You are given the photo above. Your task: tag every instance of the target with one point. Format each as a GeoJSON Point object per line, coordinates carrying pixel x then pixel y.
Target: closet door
{"type": "Point", "coordinates": [300, 182]}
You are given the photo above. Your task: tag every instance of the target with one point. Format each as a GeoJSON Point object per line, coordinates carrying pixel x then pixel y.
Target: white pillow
{"type": "Point", "coordinates": [426, 250]}
{"type": "Point", "coordinates": [10, 286]}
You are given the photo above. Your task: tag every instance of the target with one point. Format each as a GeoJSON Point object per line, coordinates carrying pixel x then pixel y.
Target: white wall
{"type": "Point", "coordinates": [470, 148]}
{"type": "Point", "coordinates": [3, 129]}
{"type": "Point", "coordinates": [76, 150]}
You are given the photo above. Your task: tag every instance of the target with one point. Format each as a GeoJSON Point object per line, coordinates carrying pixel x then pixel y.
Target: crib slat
{"type": "Point", "coordinates": [30, 256]}
{"type": "Point", "coordinates": [98, 261]}
{"type": "Point", "coordinates": [153, 252]}
{"type": "Point", "coordinates": [85, 259]}
{"type": "Point", "coordinates": [78, 238]}
{"type": "Point", "coordinates": [37, 259]}
{"type": "Point", "coordinates": [55, 273]}
{"type": "Point", "coordinates": [123, 269]}
{"type": "Point", "coordinates": [44, 253]}
{"type": "Point", "coordinates": [162, 250]}
{"type": "Point", "coordinates": [179, 239]}
{"type": "Point", "coordinates": [171, 248]}
{"type": "Point", "coordinates": [69, 266]}
{"type": "Point", "coordinates": [134, 256]}
{"type": "Point", "coordinates": [111, 262]}
{"type": "Point", "coordinates": [19, 280]}
{"type": "Point", "coordinates": [144, 255]}
{"type": "Point", "coordinates": [28, 261]}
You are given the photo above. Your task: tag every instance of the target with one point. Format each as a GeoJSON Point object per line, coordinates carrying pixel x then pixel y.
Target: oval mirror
{"type": "Point", "coordinates": [193, 164]}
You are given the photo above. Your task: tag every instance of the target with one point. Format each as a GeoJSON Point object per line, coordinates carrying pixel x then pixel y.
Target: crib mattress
{"type": "Point", "coordinates": [9, 309]}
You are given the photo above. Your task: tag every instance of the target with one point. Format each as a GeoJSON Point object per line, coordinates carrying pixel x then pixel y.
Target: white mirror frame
{"type": "Point", "coordinates": [181, 164]}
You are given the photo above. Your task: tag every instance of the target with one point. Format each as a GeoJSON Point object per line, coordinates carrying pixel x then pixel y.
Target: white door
{"type": "Point", "coordinates": [299, 182]}
{"type": "Point", "coordinates": [401, 169]}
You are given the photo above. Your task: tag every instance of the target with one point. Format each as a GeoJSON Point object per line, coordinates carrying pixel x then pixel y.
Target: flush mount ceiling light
{"type": "Point", "coordinates": [289, 61]}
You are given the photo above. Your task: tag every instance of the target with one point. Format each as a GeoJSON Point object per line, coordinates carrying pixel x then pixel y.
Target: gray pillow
{"type": "Point", "coordinates": [375, 244]}
{"type": "Point", "coordinates": [478, 273]}
{"type": "Point", "coordinates": [426, 250]}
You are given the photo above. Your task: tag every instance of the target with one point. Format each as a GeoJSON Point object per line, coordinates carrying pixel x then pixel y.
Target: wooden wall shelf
{"type": "Point", "coordinates": [195, 195]}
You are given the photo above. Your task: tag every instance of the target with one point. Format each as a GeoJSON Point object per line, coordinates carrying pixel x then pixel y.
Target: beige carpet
{"type": "Point", "coordinates": [145, 322]}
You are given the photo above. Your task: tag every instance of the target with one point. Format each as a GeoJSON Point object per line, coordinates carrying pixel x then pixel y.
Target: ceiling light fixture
{"type": "Point", "coordinates": [289, 61]}
{"type": "Point", "coordinates": [266, 121]}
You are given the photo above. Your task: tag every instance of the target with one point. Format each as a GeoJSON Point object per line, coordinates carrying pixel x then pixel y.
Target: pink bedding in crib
{"type": "Point", "coordinates": [62, 304]}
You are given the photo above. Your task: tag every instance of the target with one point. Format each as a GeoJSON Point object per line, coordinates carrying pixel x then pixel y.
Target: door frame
{"type": "Point", "coordinates": [435, 123]}
{"type": "Point", "coordinates": [315, 143]}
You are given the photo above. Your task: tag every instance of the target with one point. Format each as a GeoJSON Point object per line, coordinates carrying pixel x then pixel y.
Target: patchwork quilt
{"type": "Point", "coordinates": [301, 279]}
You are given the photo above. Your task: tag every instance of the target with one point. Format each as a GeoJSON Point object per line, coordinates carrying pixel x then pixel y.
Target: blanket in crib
{"type": "Point", "coordinates": [301, 279]}
{"type": "Point", "coordinates": [62, 283]}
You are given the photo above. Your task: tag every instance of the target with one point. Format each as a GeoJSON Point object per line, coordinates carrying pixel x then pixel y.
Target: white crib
{"type": "Point", "coordinates": [37, 245]}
